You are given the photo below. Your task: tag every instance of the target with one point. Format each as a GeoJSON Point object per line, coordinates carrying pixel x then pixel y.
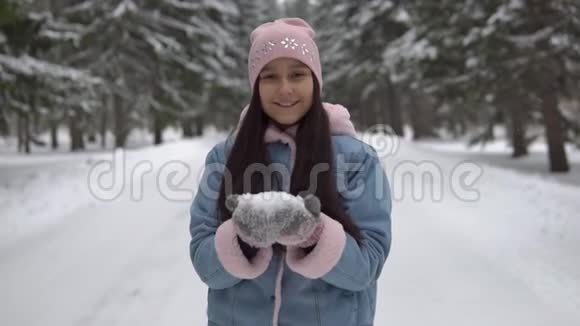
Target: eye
{"type": "Point", "coordinates": [298, 75]}
{"type": "Point", "coordinates": [268, 76]}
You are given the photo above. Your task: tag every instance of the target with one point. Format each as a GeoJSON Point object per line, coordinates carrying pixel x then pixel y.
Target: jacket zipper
{"type": "Point", "coordinates": [317, 308]}
{"type": "Point", "coordinates": [278, 288]}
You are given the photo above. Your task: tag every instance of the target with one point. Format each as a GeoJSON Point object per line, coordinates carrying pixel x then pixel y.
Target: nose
{"type": "Point", "coordinates": [285, 87]}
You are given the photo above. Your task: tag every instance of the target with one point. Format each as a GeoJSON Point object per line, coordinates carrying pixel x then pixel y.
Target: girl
{"type": "Point", "coordinates": [329, 278]}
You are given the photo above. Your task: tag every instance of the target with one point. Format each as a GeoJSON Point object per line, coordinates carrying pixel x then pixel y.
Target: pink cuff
{"type": "Point", "coordinates": [325, 254]}
{"type": "Point", "coordinates": [232, 258]}
{"type": "Point", "coordinates": [314, 237]}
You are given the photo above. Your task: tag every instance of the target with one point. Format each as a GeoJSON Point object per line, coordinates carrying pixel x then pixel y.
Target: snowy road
{"type": "Point", "coordinates": [509, 258]}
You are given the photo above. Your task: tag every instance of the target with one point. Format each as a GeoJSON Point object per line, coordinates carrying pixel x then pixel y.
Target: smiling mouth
{"type": "Point", "coordinates": [286, 104]}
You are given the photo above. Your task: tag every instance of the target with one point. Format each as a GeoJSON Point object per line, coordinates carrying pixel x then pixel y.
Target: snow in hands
{"type": "Point", "coordinates": [268, 217]}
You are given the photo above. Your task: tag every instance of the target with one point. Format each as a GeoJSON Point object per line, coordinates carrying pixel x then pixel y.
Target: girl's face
{"type": "Point", "coordinates": [286, 87]}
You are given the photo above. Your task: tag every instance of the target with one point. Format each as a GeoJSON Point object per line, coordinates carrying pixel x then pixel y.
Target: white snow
{"type": "Point", "coordinates": [364, 17]}
{"type": "Point", "coordinates": [498, 153]}
{"type": "Point", "coordinates": [59, 35]}
{"type": "Point", "coordinates": [529, 41]}
{"type": "Point", "coordinates": [30, 66]}
{"type": "Point", "coordinates": [79, 7]}
{"type": "Point", "coordinates": [271, 201]}
{"type": "Point", "coordinates": [508, 258]}
{"type": "Point", "coordinates": [503, 14]}
{"type": "Point", "coordinates": [471, 36]}
{"type": "Point", "coordinates": [409, 46]}
{"type": "Point", "coordinates": [225, 7]}
{"type": "Point", "coordinates": [183, 4]}
{"type": "Point", "coordinates": [55, 185]}
{"type": "Point", "coordinates": [123, 7]}
{"type": "Point", "coordinates": [401, 15]}
{"type": "Point", "coordinates": [471, 62]}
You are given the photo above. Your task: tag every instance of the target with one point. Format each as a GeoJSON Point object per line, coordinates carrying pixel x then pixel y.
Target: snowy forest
{"type": "Point", "coordinates": [111, 111]}
{"type": "Point", "coordinates": [452, 69]}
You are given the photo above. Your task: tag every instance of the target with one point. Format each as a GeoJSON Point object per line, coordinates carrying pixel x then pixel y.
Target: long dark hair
{"type": "Point", "coordinates": [313, 146]}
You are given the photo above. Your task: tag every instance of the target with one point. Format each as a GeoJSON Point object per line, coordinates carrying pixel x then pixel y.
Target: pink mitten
{"type": "Point", "coordinates": [302, 224]}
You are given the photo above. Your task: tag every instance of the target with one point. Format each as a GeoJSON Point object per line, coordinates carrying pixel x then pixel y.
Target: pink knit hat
{"type": "Point", "coordinates": [283, 38]}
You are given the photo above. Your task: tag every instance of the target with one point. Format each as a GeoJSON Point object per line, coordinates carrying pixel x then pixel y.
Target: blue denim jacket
{"type": "Point", "coordinates": [344, 296]}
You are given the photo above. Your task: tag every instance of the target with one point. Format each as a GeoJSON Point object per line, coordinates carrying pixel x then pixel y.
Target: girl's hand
{"type": "Point", "coordinates": [303, 224]}
{"type": "Point", "coordinates": [266, 218]}
{"type": "Point", "coordinates": [253, 225]}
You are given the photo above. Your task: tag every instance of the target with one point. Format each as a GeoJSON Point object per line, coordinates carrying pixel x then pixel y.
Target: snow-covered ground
{"type": "Point", "coordinates": [509, 257]}
{"type": "Point", "coordinates": [39, 190]}
{"type": "Point", "coordinates": [498, 153]}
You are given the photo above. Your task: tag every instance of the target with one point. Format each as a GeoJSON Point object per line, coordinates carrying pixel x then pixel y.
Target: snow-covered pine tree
{"type": "Point", "coordinates": [227, 100]}
{"type": "Point", "coordinates": [353, 38]}
{"type": "Point", "coordinates": [332, 25]}
{"type": "Point", "coordinates": [157, 57]}
{"type": "Point", "coordinates": [502, 57]}
{"type": "Point", "coordinates": [35, 81]}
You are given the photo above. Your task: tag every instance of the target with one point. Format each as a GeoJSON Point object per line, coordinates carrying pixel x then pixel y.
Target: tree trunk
{"type": "Point", "coordinates": [199, 124]}
{"type": "Point", "coordinates": [364, 113]}
{"type": "Point", "coordinates": [394, 109]}
{"type": "Point", "coordinates": [157, 128]}
{"type": "Point", "coordinates": [4, 125]}
{"type": "Point", "coordinates": [369, 113]}
{"type": "Point", "coordinates": [518, 130]}
{"type": "Point", "coordinates": [513, 105]}
{"type": "Point", "coordinates": [545, 76]}
{"type": "Point", "coordinates": [23, 132]}
{"type": "Point", "coordinates": [74, 146]}
{"type": "Point", "coordinates": [460, 128]}
{"type": "Point", "coordinates": [103, 123]}
{"type": "Point", "coordinates": [91, 129]}
{"type": "Point", "coordinates": [81, 137]}
{"type": "Point", "coordinates": [53, 134]}
{"type": "Point", "coordinates": [420, 116]}
{"type": "Point", "coordinates": [121, 121]}
{"type": "Point", "coordinates": [554, 132]}
{"type": "Point", "coordinates": [26, 125]}
{"type": "Point", "coordinates": [187, 128]}
{"type": "Point", "coordinates": [35, 121]}
{"type": "Point", "coordinates": [20, 132]}
{"type": "Point", "coordinates": [75, 132]}
{"type": "Point", "coordinates": [380, 114]}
